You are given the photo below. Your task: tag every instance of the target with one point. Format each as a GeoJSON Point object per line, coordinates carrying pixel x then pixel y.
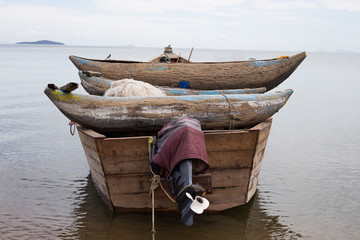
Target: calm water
{"type": "Point", "coordinates": [309, 183]}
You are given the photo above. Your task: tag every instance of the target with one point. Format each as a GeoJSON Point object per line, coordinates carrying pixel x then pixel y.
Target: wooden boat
{"type": "Point", "coordinates": [120, 168]}
{"type": "Point", "coordinates": [200, 75]}
{"type": "Point", "coordinates": [108, 114]}
{"type": "Point", "coordinates": [97, 85]}
{"type": "Point", "coordinates": [169, 56]}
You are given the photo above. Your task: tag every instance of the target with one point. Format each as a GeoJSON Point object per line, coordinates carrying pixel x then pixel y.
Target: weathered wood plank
{"type": "Point", "coordinates": [136, 184]}
{"type": "Point", "coordinates": [264, 133]}
{"type": "Point", "coordinates": [90, 133]}
{"type": "Point", "coordinates": [140, 163]}
{"type": "Point", "coordinates": [90, 149]}
{"type": "Point", "coordinates": [230, 141]}
{"type": "Point", "coordinates": [227, 195]}
{"type": "Point", "coordinates": [258, 158]}
{"type": "Point", "coordinates": [253, 182]}
{"type": "Point", "coordinates": [125, 155]}
{"type": "Point", "coordinates": [89, 140]}
{"type": "Point", "coordinates": [231, 178]}
{"type": "Point", "coordinates": [221, 199]}
{"type": "Point", "coordinates": [230, 159]}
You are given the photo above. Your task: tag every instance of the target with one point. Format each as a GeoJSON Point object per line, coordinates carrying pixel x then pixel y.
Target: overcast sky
{"type": "Point", "coordinates": [293, 25]}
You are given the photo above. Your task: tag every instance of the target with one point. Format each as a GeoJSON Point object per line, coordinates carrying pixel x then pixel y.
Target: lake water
{"type": "Point", "coordinates": [309, 185]}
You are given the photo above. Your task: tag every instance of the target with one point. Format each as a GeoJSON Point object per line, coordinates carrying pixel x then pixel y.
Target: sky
{"type": "Point", "coordinates": [291, 25]}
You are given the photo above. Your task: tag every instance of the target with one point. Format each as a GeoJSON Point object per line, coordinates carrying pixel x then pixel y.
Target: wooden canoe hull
{"type": "Point", "coordinates": [97, 85]}
{"type": "Point", "coordinates": [108, 114]}
{"type": "Point", "coordinates": [120, 168]}
{"type": "Point", "coordinates": [205, 76]}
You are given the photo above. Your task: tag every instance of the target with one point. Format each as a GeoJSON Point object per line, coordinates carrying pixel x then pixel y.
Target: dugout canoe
{"type": "Point", "coordinates": [110, 114]}
{"type": "Point", "coordinates": [120, 168]}
{"type": "Point", "coordinates": [94, 84]}
{"type": "Point", "coordinates": [198, 75]}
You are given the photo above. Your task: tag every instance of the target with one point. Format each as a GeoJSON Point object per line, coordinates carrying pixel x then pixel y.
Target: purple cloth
{"type": "Point", "coordinates": [179, 140]}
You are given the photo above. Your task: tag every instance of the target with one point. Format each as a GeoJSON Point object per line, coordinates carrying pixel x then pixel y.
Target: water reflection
{"type": "Point", "coordinates": [93, 220]}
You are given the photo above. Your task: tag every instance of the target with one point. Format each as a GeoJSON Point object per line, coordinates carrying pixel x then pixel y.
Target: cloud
{"type": "Point", "coordinates": [348, 5]}
{"type": "Point", "coordinates": [161, 6]}
{"type": "Point", "coordinates": [221, 6]}
{"type": "Point", "coordinates": [256, 24]}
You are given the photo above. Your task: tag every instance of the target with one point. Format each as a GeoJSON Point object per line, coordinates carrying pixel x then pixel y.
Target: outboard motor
{"type": "Point", "coordinates": [188, 196]}
{"type": "Point", "coordinates": [180, 149]}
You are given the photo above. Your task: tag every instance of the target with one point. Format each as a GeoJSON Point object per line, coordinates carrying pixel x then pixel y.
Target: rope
{"type": "Point", "coordinates": [155, 182]}
{"type": "Point", "coordinates": [169, 59]}
{"type": "Point", "coordinates": [183, 189]}
{"type": "Point", "coordinates": [231, 115]}
{"type": "Point", "coordinates": [72, 128]}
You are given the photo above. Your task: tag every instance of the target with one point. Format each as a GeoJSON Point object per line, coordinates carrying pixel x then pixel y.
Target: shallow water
{"type": "Point", "coordinates": [309, 184]}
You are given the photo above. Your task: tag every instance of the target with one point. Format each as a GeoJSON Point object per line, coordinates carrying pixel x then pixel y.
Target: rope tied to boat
{"type": "Point", "coordinates": [231, 114]}
{"type": "Point", "coordinates": [155, 183]}
{"type": "Point", "coordinates": [72, 127]}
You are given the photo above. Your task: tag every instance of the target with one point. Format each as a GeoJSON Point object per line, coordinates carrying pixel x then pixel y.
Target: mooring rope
{"type": "Point", "coordinates": [72, 128]}
{"type": "Point", "coordinates": [231, 115]}
{"type": "Point", "coordinates": [155, 183]}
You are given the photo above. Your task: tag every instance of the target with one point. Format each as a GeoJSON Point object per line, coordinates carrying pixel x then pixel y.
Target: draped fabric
{"type": "Point", "coordinates": [179, 140]}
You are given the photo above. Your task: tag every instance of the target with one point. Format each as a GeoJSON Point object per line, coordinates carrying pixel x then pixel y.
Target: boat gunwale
{"type": "Point", "coordinates": [191, 63]}
{"type": "Point", "coordinates": [99, 136]}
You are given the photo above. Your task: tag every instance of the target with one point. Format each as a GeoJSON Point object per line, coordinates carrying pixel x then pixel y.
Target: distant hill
{"type": "Point", "coordinates": [42, 42]}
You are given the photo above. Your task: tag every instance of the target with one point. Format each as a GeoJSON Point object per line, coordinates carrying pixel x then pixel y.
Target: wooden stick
{"type": "Point", "coordinates": [190, 54]}
{"type": "Point", "coordinates": [69, 87]}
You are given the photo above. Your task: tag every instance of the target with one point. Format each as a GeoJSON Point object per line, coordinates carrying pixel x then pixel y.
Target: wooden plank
{"type": "Point", "coordinates": [125, 155]}
{"type": "Point", "coordinates": [231, 196]}
{"type": "Point", "coordinates": [254, 178]}
{"type": "Point", "coordinates": [230, 141]}
{"type": "Point", "coordinates": [127, 146]}
{"type": "Point", "coordinates": [262, 125]}
{"type": "Point", "coordinates": [136, 184]}
{"type": "Point", "coordinates": [258, 158]}
{"type": "Point", "coordinates": [252, 191]}
{"type": "Point", "coordinates": [264, 133]}
{"type": "Point", "coordinates": [89, 140]}
{"type": "Point", "coordinates": [263, 130]}
{"type": "Point", "coordinates": [260, 151]}
{"type": "Point", "coordinates": [130, 155]}
{"type": "Point", "coordinates": [142, 201]}
{"type": "Point", "coordinates": [92, 157]}
{"type": "Point", "coordinates": [90, 133]}
{"type": "Point", "coordinates": [230, 178]}
{"type": "Point", "coordinates": [90, 147]}
{"type": "Point", "coordinates": [205, 180]}
{"type": "Point", "coordinates": [94, 166]}
{"type": "Point", "coordinates": [230, 159]}
{"type": "Point", "coordinates": [236, 180]}
{"type": "Point", "coordinates": [126, 165]}
{"type": "Point", "coordinates": [101, 185]}
{"type": "Point", "coordinates": [221, 199]}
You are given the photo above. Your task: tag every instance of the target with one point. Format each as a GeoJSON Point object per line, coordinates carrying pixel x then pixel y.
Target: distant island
{"type": "Point", "coordinates": [42, 42]}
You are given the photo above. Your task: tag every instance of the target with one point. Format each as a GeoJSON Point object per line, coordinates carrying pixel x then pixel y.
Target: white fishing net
{"type": "Point", "coordinates": [133, 88]}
